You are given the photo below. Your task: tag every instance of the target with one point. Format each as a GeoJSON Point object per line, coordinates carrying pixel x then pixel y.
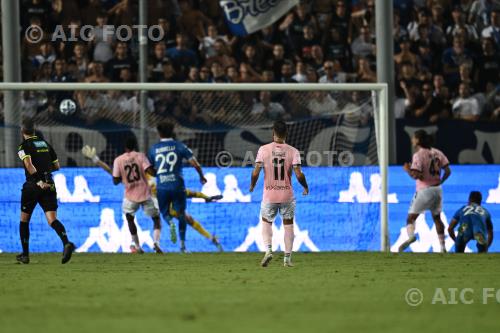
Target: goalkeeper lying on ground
{"type": "Point", "coordinates": [90, 153]}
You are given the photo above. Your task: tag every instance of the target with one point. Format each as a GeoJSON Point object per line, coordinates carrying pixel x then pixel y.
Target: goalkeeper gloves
{"type": "Point", "coordinates": [89, 152]}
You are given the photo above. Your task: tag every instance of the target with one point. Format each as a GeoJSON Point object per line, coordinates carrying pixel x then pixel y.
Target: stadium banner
{"type": "Point", "coordinates": [340, 214]}
{"type": "Point", "coordinates": [464, 142]}
{"type": "Point", "coordinates": [248, 16]}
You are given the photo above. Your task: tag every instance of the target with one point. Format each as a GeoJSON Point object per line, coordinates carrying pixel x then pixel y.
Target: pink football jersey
{"type": "Point", "coordinates": [277, 160]}
{"type": "Point", "coordinates": [429, 162]}
{"type": "Point", "coordinates": [130, 168]}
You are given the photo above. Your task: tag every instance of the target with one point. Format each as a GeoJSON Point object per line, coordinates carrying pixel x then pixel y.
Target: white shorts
{"type": "Point", "coordinates": [430, 198]}
{"type": "Point", "coordinates": [269, 210]}
{"type": "Point", "coordinates": [131, 207]}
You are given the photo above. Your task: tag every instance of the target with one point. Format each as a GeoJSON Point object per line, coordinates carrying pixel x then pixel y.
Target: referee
{"type": "Point", "coordinates": [39, 160]}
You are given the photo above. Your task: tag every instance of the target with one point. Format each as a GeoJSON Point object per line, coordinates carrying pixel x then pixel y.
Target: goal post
{"type": "Point", "coordinates": [379, 91]}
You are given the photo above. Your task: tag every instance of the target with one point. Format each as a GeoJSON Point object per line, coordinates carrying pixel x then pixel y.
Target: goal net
{"type": "Point", "coordinates": [339, 130]}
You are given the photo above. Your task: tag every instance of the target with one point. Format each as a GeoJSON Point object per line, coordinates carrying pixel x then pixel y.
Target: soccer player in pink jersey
{"type": "Point", "coordinates": [278, 159]}
{"type": "Point", "coordinates": [130, 168]}
{"type": "Point", "coordinates": [425, 168]}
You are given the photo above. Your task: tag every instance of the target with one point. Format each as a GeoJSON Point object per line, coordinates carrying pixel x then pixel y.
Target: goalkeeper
{"type": "Point", "coordinates": [189, 219]}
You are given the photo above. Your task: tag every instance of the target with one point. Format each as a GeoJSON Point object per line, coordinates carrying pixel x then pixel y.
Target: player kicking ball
{"type": "Point", "coordinates": [278, 159]}
{"type": "Point", "coordinates": [474, 223]}
{"type": "Point", "coordinates": [131, 168]}
{"type": "Point", "coordinates": [426, 166]}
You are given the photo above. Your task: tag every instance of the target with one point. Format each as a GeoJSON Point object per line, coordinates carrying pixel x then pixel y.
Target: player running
{"type": "Point", "coordinates": [189, 218]}
{"type": "Point", "coordinates": [474, 223]}
{"type": "Point", "coordinates": [426, 168]}
{"type": "Point", "coordinates": [167, 156]}
{"type": "Point", "coordinates": [278, 159]}
{"type": "Point", "coordinates": [131, 168]}
{"type": "Point", "coordinates": [39, 160]}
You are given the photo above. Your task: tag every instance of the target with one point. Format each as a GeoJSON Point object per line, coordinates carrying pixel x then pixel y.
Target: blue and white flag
{"type": "Point", "coordinates": [247, 16]}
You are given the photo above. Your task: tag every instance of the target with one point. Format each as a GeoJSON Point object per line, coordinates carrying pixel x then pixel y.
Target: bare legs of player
{"type": "Point", "coordinates": [410, 229]}
{"type": "Point", "coordinates": [157, 233]}
{"type": "Point", "coordinates": [440, 231]}
{"type": "Point", "coordinates": [267, 236]}
{"type": "Point", "coordinates": [136, 247]}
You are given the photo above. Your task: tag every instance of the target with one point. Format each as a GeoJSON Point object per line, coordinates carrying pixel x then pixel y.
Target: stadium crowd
{"type": "Point", "coordinates": [446, 55]}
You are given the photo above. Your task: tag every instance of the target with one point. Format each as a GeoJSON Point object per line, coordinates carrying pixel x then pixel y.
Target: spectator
{"type": "Point", "coordinates": [221, 55]}
{"type": "Point", "coordinates": [303, 46]}
{"type": "Point", "coordinates": [451, 60]}
{"type": "Point", "coordinates": [204, 74]}
{"type": "Point", "coordinates": [157, 61]}
{"type": "Point", "coordinates": [264, 107]}
{"type": "Point", "coordinates": [91, 11]}
{"type": "Point", "coordinates": [46, 54]}
{"type": "Point", "coordinates": [44, 73]}
{"type": "Point", "coordinates": [193, 75]}
{"type": "Point", "coordinates": [207, 43]}
{"type": "Point", "coordinates": [120, 60]}
{"type": "Point", "coordinates": [459, 22]}
{"type": "Point", "coordinates": [488, 65]}
{"type": "Point", "coordinates": [493, 30]}
{"type": "Point", "coordinates": [317, 59]}
{"type": "Point", "coordinates": [405, 55]}
{"type": "Point", "coordinates": [286, 73]}
{"type": "Point", "coordinates": [181, 56]}
{"type": "Point", "coordinates": [276, 60]}
{"type": "Point", "coordinates": [80, 60]}
{"type": "Point", "coordinates": [218, 74]}
{"type": "Point", "coordinates": [428, 106]}
{"type": "Point", "coordinates": [295, 22]}
{"type": "Point", "coordinates": [434, 33]}
{"type": "Point", "coordinates": [311, 75]}
{"type": "Point", "coordinates": [232, 74]}
{"type": "Point", "coordinates": [192, 21]}
{"type": "Point", "coordinates": [341, 22]}
{"type": "Point", "coordinates": [336, 49]}
{"type": "Point", "coordinates": [300, 72]}
{"type": "Point", "coordinates": [95, 73]}
{"type": "Point", "coordinates": [169, 73]}
{"type": "Point", "coordinates": [102, 40]}
{"type": "Point", "coordinates": [364, 45]}
{"type": "Point", "coordinates": [322, 104]}
{"type": "Point", "coordinates": [329, 70]}
{"type": "Point", "coordinates": [365, 73]}
{"type": "Point", "coordinates": [465, 106]}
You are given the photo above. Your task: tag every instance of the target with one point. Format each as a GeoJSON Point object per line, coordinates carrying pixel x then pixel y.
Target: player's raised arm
{"type": "Point", "coordinates": [90, 153]}
{"type": "Point", "coordinates": [301, 178]}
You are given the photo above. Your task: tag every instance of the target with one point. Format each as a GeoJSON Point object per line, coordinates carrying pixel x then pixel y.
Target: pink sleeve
{"type": "Point", "coordinates": [416, 163]}
{"type": "Point", "coordinates": [260, 157]}
{"type": "Point", "coordinates": [296, 157]}
{"type": "Point", "coordinates": [116, 168]}
{"type": "Point", "coordinates": [443, 159]}
{"type": "Point", "coordinates": [145, 162]}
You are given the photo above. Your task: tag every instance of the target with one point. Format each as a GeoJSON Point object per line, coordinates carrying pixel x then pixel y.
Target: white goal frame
{"type": "Point", "coordinates": [380, 90]}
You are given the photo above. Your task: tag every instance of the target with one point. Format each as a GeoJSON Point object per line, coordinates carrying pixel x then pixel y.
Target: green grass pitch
{"type": "Point", "coordinates": [324, 292]}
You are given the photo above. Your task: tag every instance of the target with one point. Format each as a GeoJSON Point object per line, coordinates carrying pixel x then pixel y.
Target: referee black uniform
{"type": "Point", "coordinates": [39, 160]}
